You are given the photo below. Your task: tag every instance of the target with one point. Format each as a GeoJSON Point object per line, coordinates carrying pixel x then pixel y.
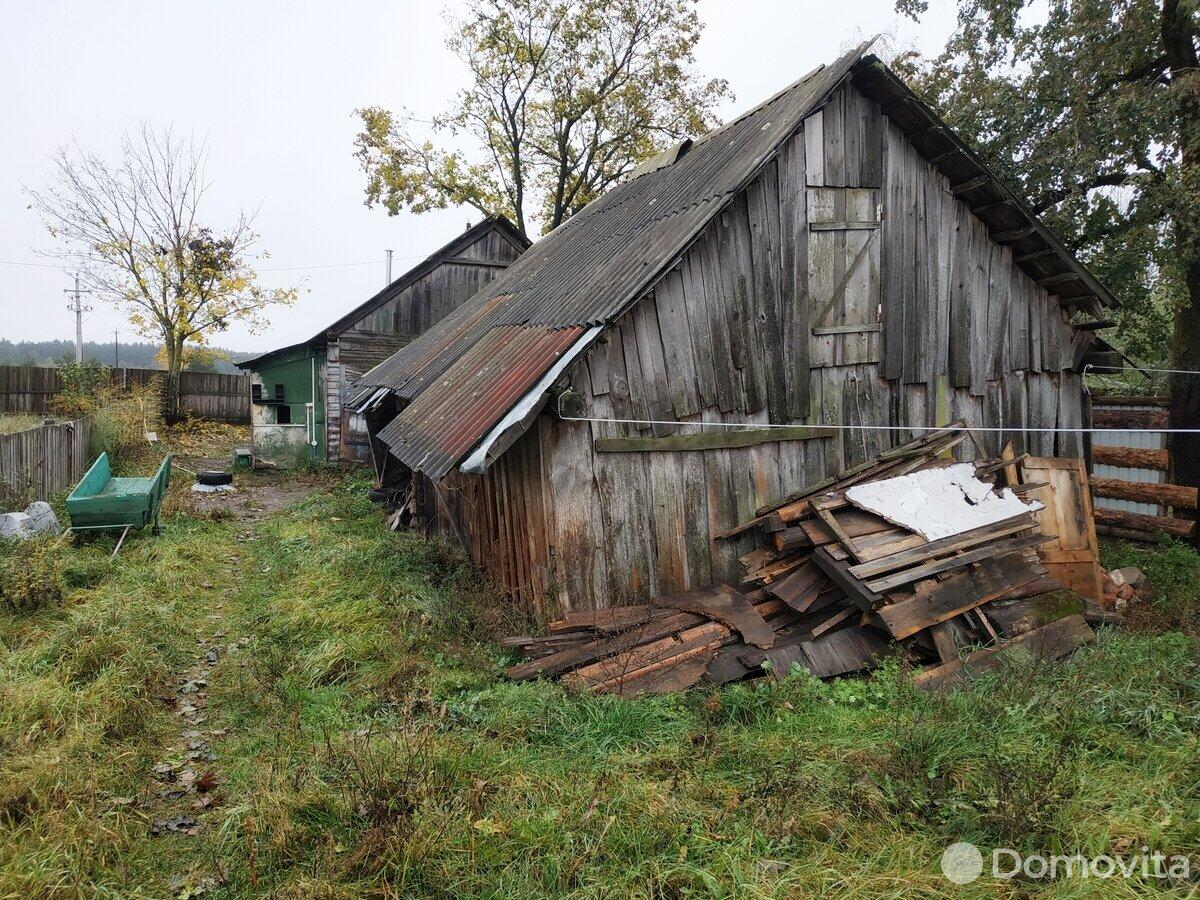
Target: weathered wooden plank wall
{"type": "Point", "coordinates": [379, 333]}
{"type": "Point", "coordinates": [45, 459]}
{"type": "Point", "coordinates": [845, 285]}
{"type": "Point", "coordinates": [210, 395]}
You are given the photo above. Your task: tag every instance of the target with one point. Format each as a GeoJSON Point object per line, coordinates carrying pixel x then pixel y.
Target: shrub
{"type": "Point", "coordinates": [30, 577]}
{"type": "Point", "coordinates": [82, 385]}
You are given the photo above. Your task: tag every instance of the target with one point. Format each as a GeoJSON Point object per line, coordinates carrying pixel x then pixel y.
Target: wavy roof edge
{"type": "Point", "coordinates": [590, 269]}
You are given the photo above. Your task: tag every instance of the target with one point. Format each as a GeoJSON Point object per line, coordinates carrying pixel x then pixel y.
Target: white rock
{"type": "Point", "coordinates": [38, 518]}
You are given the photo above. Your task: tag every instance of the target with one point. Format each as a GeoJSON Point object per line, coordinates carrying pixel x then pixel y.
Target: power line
{"type": "Point", "coordinates": [366, 262]}
{"type": "Point", "coordinates": [13, 262]}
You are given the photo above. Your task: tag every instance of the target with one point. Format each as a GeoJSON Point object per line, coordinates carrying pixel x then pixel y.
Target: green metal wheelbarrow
{"type": "Point", "coordinates": [101, 502]}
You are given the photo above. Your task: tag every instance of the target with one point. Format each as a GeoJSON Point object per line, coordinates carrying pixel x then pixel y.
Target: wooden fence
{"type": "Point", "coordinates": [209, 395]}
{"type": "Point", "coordinates": [45, 459]}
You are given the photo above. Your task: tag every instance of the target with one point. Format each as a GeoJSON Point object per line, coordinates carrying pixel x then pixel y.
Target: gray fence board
{"type": "Point", "coordinates": [209, 395]}
{"type": "Point", "coordinates": [45, 459]}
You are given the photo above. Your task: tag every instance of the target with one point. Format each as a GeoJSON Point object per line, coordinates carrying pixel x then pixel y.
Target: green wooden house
{"type": "Point", "coordinates": [298, 392]}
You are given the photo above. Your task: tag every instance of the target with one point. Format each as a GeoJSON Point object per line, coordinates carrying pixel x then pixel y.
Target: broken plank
{"type": "Point", "coordinates": [637, 658]}
{"type": "Point", "coordinates": [726, 606]}
{"type": "Point", "coordinates": [842, 652]}
{"type": "Point", "coordinates": [796, 585]}
{"type": "Point", "coordinates": [1046, 643]}
{"type": "Point", "coordinates": [616, 618]}
{"type": "Point", "coordinates": [891, 582]}
{"type": "Point", "coordinates": [859, 593]}
{"type": "Point", "coordinates": [963, 591]}
{"type": "Point", "coordinates": [834, 620]}
{"type": "Point", "coordinates": [942, 546]}
{"type": "Point", "coordinates": [825, 514]}
{"type": "Point", "coordinates": [667, 676]}
{"type": "Point", "coordinates": [572, 657]}
{"type": "Point", "coordinates": [854, 522]}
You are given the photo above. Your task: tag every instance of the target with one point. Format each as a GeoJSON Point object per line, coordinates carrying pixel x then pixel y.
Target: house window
{"type": "Point", "coordinates": [283, 415]}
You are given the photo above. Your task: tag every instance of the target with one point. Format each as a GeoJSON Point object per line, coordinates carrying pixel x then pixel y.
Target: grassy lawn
{"type": "Point", "coordinates": [366, 744]}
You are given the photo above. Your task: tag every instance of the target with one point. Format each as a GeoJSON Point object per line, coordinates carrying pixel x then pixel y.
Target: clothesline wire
{"type": "Point", "coordinates": [844, 427]}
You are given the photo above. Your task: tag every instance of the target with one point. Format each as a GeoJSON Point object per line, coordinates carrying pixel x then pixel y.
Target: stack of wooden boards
{"type": "Point", "coordinates": [834, 587]}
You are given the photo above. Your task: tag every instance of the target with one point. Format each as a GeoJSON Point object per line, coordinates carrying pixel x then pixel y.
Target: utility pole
{"type": "Point", "coordinates": [77, 307]}
{"type": "Point", "coordinates": [116, 351]}
{"type": "Point", "coordinates": [389, 268]}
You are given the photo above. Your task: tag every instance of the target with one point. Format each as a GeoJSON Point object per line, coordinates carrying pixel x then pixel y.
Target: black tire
{"type": "Point", "coordinates": [214, 479]}
{"type": "Point", "coordinates": [377, 495]}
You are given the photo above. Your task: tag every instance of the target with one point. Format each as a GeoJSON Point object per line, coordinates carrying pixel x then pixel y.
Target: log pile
{"type": "Point", "coordinates": [834, 587]}
{"type": "Point", "coordinates": [1177, 503]}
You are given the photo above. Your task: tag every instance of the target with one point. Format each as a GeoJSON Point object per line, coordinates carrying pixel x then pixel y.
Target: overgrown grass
{"type": "Point", "coordinates": [12, 423]}
{"type": "Point", "coordinates": [373, 747]}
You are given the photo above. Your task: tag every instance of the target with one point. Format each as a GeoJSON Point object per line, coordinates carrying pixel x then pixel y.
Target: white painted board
{"type": "Point", "coordinates": [939, 503]}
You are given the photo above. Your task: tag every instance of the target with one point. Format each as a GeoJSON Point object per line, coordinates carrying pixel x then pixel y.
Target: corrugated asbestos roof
{"type": "Point", "coordinates": [586, 272]}
{"type": "Point", "coordinates": [438, 256]}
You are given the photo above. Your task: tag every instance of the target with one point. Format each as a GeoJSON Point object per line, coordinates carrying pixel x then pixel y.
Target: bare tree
{"type": "Point", "coordinates": [133, 232]}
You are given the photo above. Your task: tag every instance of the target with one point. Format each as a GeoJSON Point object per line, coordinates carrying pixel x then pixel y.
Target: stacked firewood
{"type": "Point", "coordinates": [835, 587]}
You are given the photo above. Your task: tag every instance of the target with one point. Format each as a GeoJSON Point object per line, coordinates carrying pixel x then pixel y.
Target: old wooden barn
{"type": "Point", "coordinates": [834, 257]}
{"type": "Point", "coordinates": [299, 391]}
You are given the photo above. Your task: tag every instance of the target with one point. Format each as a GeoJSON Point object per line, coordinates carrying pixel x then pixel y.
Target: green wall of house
{"type": "Point", "coordinates": [296, 371]}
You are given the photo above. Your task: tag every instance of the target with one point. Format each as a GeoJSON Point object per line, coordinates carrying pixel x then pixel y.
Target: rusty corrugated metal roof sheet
{"type": "Point", "coordinates": [450, 416]}
{"type": "Point", "coordinates": [585, 273]}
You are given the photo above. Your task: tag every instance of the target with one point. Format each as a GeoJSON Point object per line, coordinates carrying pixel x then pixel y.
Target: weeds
{"type": "Point", "coordinates": [31, 577]}
{"type": "Point", "coordinates": [372, 747]}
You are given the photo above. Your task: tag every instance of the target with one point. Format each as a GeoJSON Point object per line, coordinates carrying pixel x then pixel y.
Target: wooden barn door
{"type": "Point", "coordinates": [843, 275]}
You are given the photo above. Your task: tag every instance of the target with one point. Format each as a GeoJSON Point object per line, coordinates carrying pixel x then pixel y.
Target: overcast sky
{"type": "Point", "coordinates": [272, 87]}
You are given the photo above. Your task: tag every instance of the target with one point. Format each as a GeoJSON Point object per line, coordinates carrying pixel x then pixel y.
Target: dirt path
{"type": "Point", "coordinates": [184, 798]}
{"type": "Point", "coordinates": [255, 496]}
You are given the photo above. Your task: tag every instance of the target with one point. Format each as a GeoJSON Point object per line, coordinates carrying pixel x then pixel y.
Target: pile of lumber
{"type": "Point", "coordinates": [906, 553]}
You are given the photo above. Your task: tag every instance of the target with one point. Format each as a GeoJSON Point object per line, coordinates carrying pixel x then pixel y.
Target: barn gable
{"type": "Point", "coordinates": [859, 276]}
{"type": "Point", "coordinates": [467, 373]}
{"type": "Point", "coordinates": [385, 322]}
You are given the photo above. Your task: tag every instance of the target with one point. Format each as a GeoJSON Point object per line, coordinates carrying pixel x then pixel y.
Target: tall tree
{"type": "Point", "coordinates": [566, 97]}
{"type": "Point", "coordinates": [134, 233]}
{"type": "Point", "coordinates": [1093, 107]}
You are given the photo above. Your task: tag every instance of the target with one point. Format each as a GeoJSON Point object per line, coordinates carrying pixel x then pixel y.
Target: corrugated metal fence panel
{"type": "Point", "coordinates": [45, 459]}
{"type": "Point", "coordinates": [209, 395]}
{"type": "Point", "coordinates": [1141, 440]}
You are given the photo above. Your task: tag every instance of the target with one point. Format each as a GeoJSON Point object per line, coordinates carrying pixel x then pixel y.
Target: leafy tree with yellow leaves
{"type": "Point", "coordinates": [133, 232]}
{"type": "Point", "coordinates": [566, 98]}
